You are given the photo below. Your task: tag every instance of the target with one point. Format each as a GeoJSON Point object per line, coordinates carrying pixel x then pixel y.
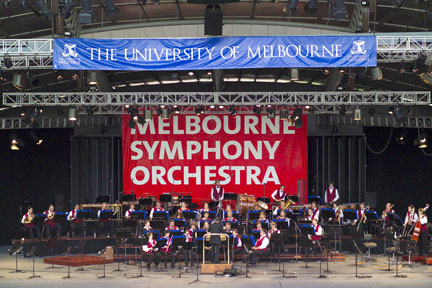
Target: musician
{"type": "Point", "coordinates": [273, 230]}
{"type": "Point", "coordinates": [279, 194]}
{"type": "Point", "coordinates": [410, 219]}
{"type": "Point", "coordinates": [338, 213]}
{"type": "Point", "coordinates": [279, 208]}
{"type": "Point", "coordinates": [167, 250]}
{"type": "Point", "coordinates": [315, 210]}
{"type": "Point", "coordinates": [171, 226]}
{"type": "Point", "coordinates": [105, 224]}
{"type": "Point", "coordinates": [260, 248]}
{"type": "Point", "coordinates": [227, 228]}
{"type": "Point", "coordinates": [331, 194]}
{"type": "Point", "coordinates": [230, 217]}
{"type": "Point", "coordinates": [311, 215]}
{"type": "Point", "coordinates": [215, 241]}
{"type": "Point", "coordinates": [147, 227]}
{"type": "Point", "coordinates": [237, 244]}
{"type": "Point", "coordinates": [258, 227]}
{"type": "Point", "coordinates": [49, 222]}
{"type": "Point", "coordinates": [217, 192]}
{"type": "Point", "coordinates": [76, 224]}
{"type": "Point", "coordinates": [385, 213]}
{"type": "Point", "coordinates": [361, 216]}
{"type": "Point", "coordinates": [423, 240]}
{"type": "Point", "coordinates": [262, 216]}
{"type": "Point", "coordinates": [128, 213]}
{"type": "Point", "coordinates": [205, 208]}
{"type": "Point", "coordinates": [318, 233]}
{"type": "Point", "coordinates": [157, 208]}
{"type": "Point", "coordinates": [228, 208]}
{"type": "Point", "coordinates": [183, 207]}
{"type": "Point", "coordinates": [28, 225]}
{"type": "Point", "coordinates": [151, 252]}
{"type": "Point", "coordinates": [283, 216]}
{"type": "Point", "coordinates": [188, 246]}
{"type": "Point", "coordinates": [206, 226]}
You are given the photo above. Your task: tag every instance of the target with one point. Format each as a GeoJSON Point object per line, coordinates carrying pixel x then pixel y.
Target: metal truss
{"type": "Point", "coordinates": [61, 122]}
{"type": "Point", "coordinates": [38, 53]}
{"type": "Point", "coordinates": [116, 103]}
{"type": "Point", "coordinates": [376, 121]}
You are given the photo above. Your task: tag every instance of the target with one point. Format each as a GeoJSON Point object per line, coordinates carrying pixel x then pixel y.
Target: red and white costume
{"type": "Point", "coordinates": [262, 243]}
{"type": "Point", "coordinates": [72, 216]}
{"type": "Point", "coordinates": [331, 195]}
{"type": "Point", "coordinates": [278, 195]}
{"type": "Point", "coordinates": [385, 217]}
{"type": "Point", "coordinates": [189, 236]}
{"type": "Point", "coordinates": [423, 222]}
{"type": "Point", "coordinates": [217, 193]}
{"type": "Point", "coordinates": [237, 243]}
{"type": "Point", "coordinates": [411, 218]}
{"type": "Point", "coordinates": [169, 228]}
{"type": "Point", "coordinates": [340, 211]}
{"type": "Point", "coordinates": [48, 221]}
{"type": "Point", "coordinates": [167, 247]}
{"type": "Point", "coordinates": [155, 209]}
{"type": "Point", "coordinates": [271, 232]}
{"type": "Point", "coordinates": [181, 209]}
{"type": "Point", "coordinates": [318, 232]}
{"type": "Point", "coordinates": [230, 219]}
{"type": "Point", "coordinates": [25, 218]}
{"type": "Point", "coordinates": [128, 213]}
{"type": "Point", "coordinates": [147, 248]}
{"type": "Point", "coordinates": [360, 213]}
{"type": "Point", "coordinates": [315, 214]}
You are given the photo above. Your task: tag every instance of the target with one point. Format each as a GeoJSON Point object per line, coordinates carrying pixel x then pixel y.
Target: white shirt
{"type": "Point", "coordinates": [320, 230]}
{"type": "Point", "coordinates": [218, 190]}
{"type": "Point", "coordinates": [276, 192]}
{"type": "Point", "coordinates": [423, 220]}
{"type": "Point", "coordinates": [239, 242]}
{"type": "Point", "coordinates": [413, 217]}
{"type": "Point", "coordinates": [128, 213]}
{"type": "Point", "coordinates": [340, 213]}
{"type": "Point", "coordinates": [265, 242]}
{"type": "Point", "coordinates": [154, 209]}
{"type": "Point", "coordinates": [331, 190]}
{"type": "Point", "coordinates": [69, 217]}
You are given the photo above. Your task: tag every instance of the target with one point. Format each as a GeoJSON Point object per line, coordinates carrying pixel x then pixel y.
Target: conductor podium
{"type": "Point", "coordinates": [212, 268]}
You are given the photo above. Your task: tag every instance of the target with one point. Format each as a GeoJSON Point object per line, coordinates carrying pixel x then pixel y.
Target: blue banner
{"type": "Point", "coordinates": [215, 53]}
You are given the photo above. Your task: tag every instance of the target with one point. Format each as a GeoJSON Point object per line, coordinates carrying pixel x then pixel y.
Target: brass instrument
{"type": "Point", "coordinates": [289, 202]}
{"type": "Point", "coordinates": [362, 219]}
{"type": "Point", "coordinates": [263, 205]}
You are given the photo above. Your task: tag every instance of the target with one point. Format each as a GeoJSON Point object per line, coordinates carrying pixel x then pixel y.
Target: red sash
{"type": "Point", "coordinates": [331, 195]}
{"type": "Point", "coordinates": [316, 237]}
{"type": "Point", "coordinates": [217, 195]}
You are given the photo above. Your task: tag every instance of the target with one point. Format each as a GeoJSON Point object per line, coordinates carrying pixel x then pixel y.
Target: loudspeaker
{"type": "Point", "coordinates": [213, 20]}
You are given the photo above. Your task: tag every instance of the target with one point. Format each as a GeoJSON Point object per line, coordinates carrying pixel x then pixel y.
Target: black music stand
{"type": "Point", "coordinates": [165, 199]}
{"type": "Point", "coordinates": [264, 199]}
{"type": "Point", "coordinates": [103, 265]}
{"type": "Point", "coordinates": [32, 254]}
{"type": "Point", "coordinates": [68, 263]}
{"type": "Point", "coordinates": [140, 242]}
{"type": "Point", "coordinates": [186, 198]}
{"type": "Point", "coordinates": [253, 215]}
{"type": "Point", "coordinates": [189, 214]}
{"type": "Point", "coordinates": [277, 244]}
{"type": "Point", "coordinates": [123, 233]}
{"type": "Point", "coordinates": [139, 215]}
{"type": "Point", "coordinates": [127, 197]}
{"type": "Point", "coordinates": [16, 246]}
{"type": "Point", "coordinates": [177, 242]}
{"type": "Point", "coordinates": [80, 246]}
{"type": "Point", "coordinates": [327, 213]}
{"type": "Point", "coordinates": [282, 224]}
{"type": "Point", "coordinates": [228, 197]}
{"type": "Point", "coordinates": [160, 215]}
{"type": "Point", "coordinates": [305, 230]}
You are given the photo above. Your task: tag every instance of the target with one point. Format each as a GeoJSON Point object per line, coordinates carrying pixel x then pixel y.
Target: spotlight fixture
{"type": "Point", "coordinates": [233, 110]}
{"type": "Point", "coordinates": [402, 68]}
{"type": "Point", "coordinates": [159, 110]}
{"type": "Point", "coordinates": [72, 114]}
{"type": "Point", "coordinates": [294, 74]}
{"type": "Point", "coordinates": [148, 115]}
{"type": "Point", "coordinates": [35, 138]}
{"type": "Point", "coordinates": [176, 110]}
{"type": "Point", "coordinates": [423, 142]}
{"type": "Point", "coordinates": [212, 106]}
{"type": "Point", "coordinates": [341, 71]}
{"type": "Point", "coordinates": [135, 118]}
{"type": "Point", "coordinates": [75, 75]}
{"type": "Point", "coordinates": [190, 73]}
{"type": "Point", "coordinates": [7, 62]}
{"type": "Point", "coordinates": [296, 114]}
{"type": "Point", "coordinates": [15, 142]}
{"type": "Point", "coordinates": [283, 114]}
{"type": "Point", "coordinates": [376, 73]}
{"type": "Point", "coordinates": [221, 107]}
{"type": "Point", "coordinates": [357, 114]}
{"type": "Point", "coordinates": [390, 111]}
{"type": "Point", "coordinates": [298, 123]}
{"type": "Point", "coordinates": [165, 114]}
{"type": "Point", "coordinates": [271, 113]}
{"type": "Point", "coordinates": [23, 113]}
{"type": "Point", "coordinates": [342, 110]}
{"type": "Point", "coordinates": [92, 78]}
{"type": "Point", "coordinates": [402, 137]}
{"type": "Point", "coordinates": [59, 75]}
{"type": "Point", "coordinates": [257, 110]}
{"type": "Point", "coordinates": [19, 81]}
{"type": "Point", "coordinates": [199, 111]}
{"type": "Point", "coordinates": [326, 71]}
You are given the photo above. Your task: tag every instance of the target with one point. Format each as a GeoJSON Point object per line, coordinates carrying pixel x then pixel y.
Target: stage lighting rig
{"type": "Point", "coordinates": [233, 110]}
{"type": "Point", "coordinates": [7, 62]}
{"type": "Point", "coordinates": [271, 113]}
{"type": "Point", "coordinates": [376, 73]}
{"type": "Point", "coordinates": [15, 142]}
{"type": "Point", "coordinates": [72, 114]}
{"type": "Point", "coordinates": [36, 139]}
{"type": "Point", "coordinates": [257, 110]}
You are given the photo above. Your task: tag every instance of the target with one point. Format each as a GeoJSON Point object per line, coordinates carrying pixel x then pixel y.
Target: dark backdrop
{"type": "Point", "coordinates": [401, 175]}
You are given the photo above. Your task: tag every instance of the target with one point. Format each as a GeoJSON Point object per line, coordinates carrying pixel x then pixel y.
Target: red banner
{"type": "Point", "coordinates": [248, 153]}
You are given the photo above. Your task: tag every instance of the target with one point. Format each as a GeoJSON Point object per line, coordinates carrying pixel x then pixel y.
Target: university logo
{"type": "Point", "coordinates": [69, 50]}
{"type": "Point", "coordinates": [358, 47]}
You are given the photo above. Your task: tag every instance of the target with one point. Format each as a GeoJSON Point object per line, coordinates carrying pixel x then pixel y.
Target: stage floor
{"type": "Point", "coordinates": [342, 275]}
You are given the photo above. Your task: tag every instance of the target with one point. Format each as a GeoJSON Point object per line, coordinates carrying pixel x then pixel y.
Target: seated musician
{"type": "Point", "coordinates": [310, 215]}
{"type": "Point", "coordinates": [128, 213]}
{"type": "Point", "coordinates": [228, 208]}
{"type": "Point", "coordinates": [237, 244]}
{"type": "Point", "coordinates": [171, 226]}
{"type": "Point", "coordinates": [279, 208]}
{"type": "Point", "coordinates": [317, 236]}
{"type": "Point", "coordinates": [262, 216]}
{"type": "Point", "coordinates": [206, 226]}
{"type": "Point", "coordinates": [338, 213]}
{"type": "Point", "coordinates": [76, 224]}
{"type": "Point", "coordinates": [167, 250]}
{"type": "Point", "coordinates": [105, 224]}
{"type": "Point", "coordinates": [206, 217]}
{"type": "Point", "coordinates": [146, 228]}
{"type": "Point", "coordinates": [205, 208]}
{"type": "Point", "coordinates": [410, 218]}
{"type": "Point", "coordinates": [189, 243]}
{"type": "Point", "coordinates": [279, 194]}
{"type": "Point", "coordinates": [157, 208]}
{"type": "Point", "coordinates": [49, 222]}
{"type": "Point", "coordinates": [315, 210]}
{"type": "Point", "coordinates": [229, 217]}
{"type": "Point", "coordinates": [282, 215]}
{"type": "Point", "coordinates": [273, 230]}
{"type": "Point", "coordinates": [260, 248]}
{"type": "Point", "coordinates": [258, 227]}
{"type": "Point", "coordinates": [227, 228]}
{"type": "Point", "coordinates": [183, 207]}
{"type": "Point", "coordinates": [151, 253]}
{"type": "Point", "coordinates": [423, 239]}
{"type": "Point", "coordinates": [361, 216]}
{"type": "Point", "coordinates": [28, 225]}
{"type": "Point", "coordinates": [384, 215]}
{"type": "Point", "coordinates": [257, 207]}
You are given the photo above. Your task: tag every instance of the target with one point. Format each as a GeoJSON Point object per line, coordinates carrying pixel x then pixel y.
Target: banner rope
{"type": "Point", "coordinates": [385, 147]}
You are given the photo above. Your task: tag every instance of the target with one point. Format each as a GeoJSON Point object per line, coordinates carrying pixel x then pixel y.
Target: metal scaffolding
{"type": "Point", "coordinates": [117, 103]}
{"type": "Point", "coordinates": [376, 121]}
{"type": "Point", "coordinates": [38, 53]}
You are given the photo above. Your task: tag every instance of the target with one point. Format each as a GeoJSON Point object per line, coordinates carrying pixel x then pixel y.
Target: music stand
{"type": "Point", "coordinates": [16, 246]}
{"type": "Point", "coordinates": [253, 215]}
{"type": "Point", "coordinates": [139, 215]}
{"type": "Point", "coordinates": [127, 197]}
{"type": "Point", "coordinates": [264, 199]}
{"type": "Point", "coordinates": [189, 214]}
{"type": "Point", "coordinates": [327, 213]}
{"type": "Point", "coordinates": [315, 198]}
{"type": "Point", "coordinates": [306, 229]}
{"type": "Point", "coordinates": [32, 254]}
{"type": "Point", "coordinates": [282, 224]}
{"type": "Point", "coordinates": [177, 242]}
{"type": "Point", "coordinates": [160, 215]}
{"type": "Point", "coordinates": [228, 197]}
{"type": "Point", "coordinates": [107, 214]}
{"type": "Point", "coordinates": [186, 198]}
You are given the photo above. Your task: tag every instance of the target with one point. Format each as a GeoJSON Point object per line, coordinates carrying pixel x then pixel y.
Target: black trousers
{"type": "Point", "coordinates": [188, 250]}
{"type": "Point", "coordinates": [423, 243]}
{"type": "Point", "coordinates": [78, 227]}
{"type": "Point", "coordinates": [165, 257]}
{"type": "Point", "coordinates": [215, 249]}
{"type": "Point", "coordinates": [235, 252]}
{"type": "Point", "coordinates": [106, 227]}
{"type": "Point", "coordinates": [30, 231]}
{"type": "Point", "coordinates": [255, 254]}
{"type": "Point", "coordinates": [153, 257]}
{"type": "Point", "coordinates": [48, 229]}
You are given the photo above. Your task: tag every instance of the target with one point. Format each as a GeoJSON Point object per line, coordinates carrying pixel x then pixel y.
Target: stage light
{"type": "Point", "coordinates": [423, 142]}
{"type": "Point", "coordinates": [7, 62]}
{"type": "Point", "coordinates": [326, 71]}
{"type": "Point", "coordinates": [233, 110]}
{"type": "Point", "coordinates": [221, 107]}
{"type": "Point", "coordinates": [59, 75]}
{"type": "Point", "coordinates": [296, 114]}
{"type": "Point", "coordinates": [365, 3]}
{"type": "Point", "coordinates": [402, 68]}
{"type": "Point", "coordinates": [15, 142]}
{"type": "Point", "coordinates": [23, 113]}
{"type": "Point", "coordinates": [148, 115]}
{"type": "Point", "coordinates": [176, 110]}
{"type": "Point", "coordinates": [376, 73]}
{"type": "Point", "coordinates": [92, 78]}
{"type": "Point", "coordinates": [426, 77]}
{"type": "Point", "coordinates": [311, 110]}
{"type": "Point", "coordinates": [19, 81]}
{"type": "Point", "coordinates": [72, 114]}
{"type": "Point", "coordinates": [341, 71]}
{"type": "Point", "coordinates": [283, 114]}
{"type": "Point", "coordinates": [342, 110]}
{"type": "Point", "coordinates": [295, 74]}
{"type": "Point", "coordinates": [311, 7]}
{"type": "Point", "coordinates": [159, 110]}
{"type": "Point", "coordinates": [35, 138]}
{"type": "Point", "coordinates": [45, 11]}
{"type": "Point", "coordinates": [257, 110]}
{"type": "Point", "coordinates": [165, 114]}
{"type": "Point", "coordinates": [338, 10]}
{"type": "Point", "coordinates": [199, 111]}
{"type": "Point", "coordinates": [75, 75]}
{"type": "Point", "coordinates": [357, 114]}
{"type": "Point", "coordinates": [212, 106]}
{"type": "Point", "coordinates": [190, 73]}
{"type": "Point", "coordinates": [271, 113]}
{"type": "Point", "coordinates": [402, 137]}
{"type": "Point", "coordinates": [390, 111]}
{"type": "Point", "coordinates": [298, 123]}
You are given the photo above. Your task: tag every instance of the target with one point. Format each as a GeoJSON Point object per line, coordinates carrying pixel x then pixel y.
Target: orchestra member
{"type": "Point", "coordinates": [260, 248]}
{"type": "Point", "coordinates": [105, 224]}
{"type": "Point", "coordinates": [361, 216]}
{"type": "Point", "coordinates": [215, 241]}
{"type": "Point", "coordinates": [28, 225]}
{"type": "Point", "coordinates": [283, 216]}
{"type": "Point", "coordinates": [206, 226]}
{"type": "Point", "coordinates": [257, 207]}
{"type": "Point", "coordinates": [205, 208]}
{"type": "Point", "coordinates": [227, 228]}
{"type": "Point", "coordinates": [146, 228]}
{"type": "Point", "coordinates": [385, 215]}
{"type": "Point", "coordinates": [318, 233]}
{"type": "Point", "coordinates": [338, 213]}
{"type": "Point", "coordinates": [228, 208]}
{"type": "Point", "coordinates": [167, 250]}
{"type": "Point", "coordinates": [279, 194]}
{"type": "Point", "coordinates": [279, 208]}
{"type": "Point", "coordinates": [171, 226]}
{"type": "Point", "coordinates": [49, 222]}
{"type": "Point", "coordinates": [311, 215]}
{"type": "Point", "coordinates": [188, 246]}
{"type": "Point", "coordinates": [410, 218]}
{"type": "Point", "coordinates": [206, 217]}
{"type": "Point", "coordinates": [128, 213]}
{"type": "Point", "coordinates": [217, 192]}
{"type": "Point", "coordinates": [157, 208]}
{"type": "Point", "coordinates": [230, 217]}
{"type": "Point", "coordinates": [237, 244]}
{"type": "Point", "coordinates": [262, 216]}
{"type": "Point", "coordinates": [331, 194]}
{"type": "Point", "coordinates": [151, 252]}
{"type": "Point", "coordinates": [76, 224]}
{"type": "Point", "coordinates": [183, 207]}
{"type": "Point", "coordinates": [258, 227]}
{"type": "Point", "coordinates": [315, 210]}
{"type": "Point", "coordinates": [273, 230]}
{"type": "Point", "coordinates": [423, 240]}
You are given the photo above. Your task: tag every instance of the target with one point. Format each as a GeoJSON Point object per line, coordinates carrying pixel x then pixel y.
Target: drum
{"type": "Point", "coordinates": [244, 203]}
